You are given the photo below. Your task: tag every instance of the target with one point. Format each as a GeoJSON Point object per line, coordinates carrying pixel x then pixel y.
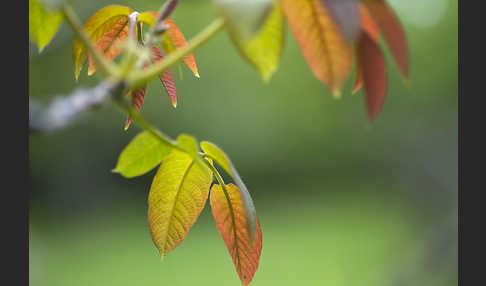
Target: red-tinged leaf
{"type": "Point", "coordinates": [374, 75]}
{"type": "Point", "coordinates": [392, 32]}
{"type": "Point", "coordinates": [369, 27]}
{"type": "Point", "coordinates": [95, 27]}
{"type": "Point", "coordinates": [179, 42]}
{"type": "Point", "coordinates": [166, 77]}
{"type": "Point", "coordinates": [346, 15]}
{"type": "Point", "coordinates": [327, 53]}
{"type": "Point", "coordinates": [138, 97]}
{"type": "Point", "coordinates": [229, 214]}
{"type": "Point", "coordinates": [109, 43]}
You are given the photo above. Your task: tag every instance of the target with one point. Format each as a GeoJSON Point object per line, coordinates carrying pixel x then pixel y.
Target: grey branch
{"type": "Point", "coordinates": [65, 110]}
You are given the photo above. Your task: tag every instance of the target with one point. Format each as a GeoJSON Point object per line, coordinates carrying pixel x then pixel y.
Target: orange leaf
{"type": "Point", "coordinates": [374, 75]}
{"type": "Point", "coordinates": [369, 27]}
{"type": "Point", "coordinates": [109, 43]}
{"type": "Point", "coordinates": [166, 77]}
{"type": "Point", "coordinates": [392, 32]}
{"type": "Point", "coordinates": [230, 218]}
{"type": "Point", "coordinates": [179, 41]}
{"type": "Point", "coordinates": [327, 53]}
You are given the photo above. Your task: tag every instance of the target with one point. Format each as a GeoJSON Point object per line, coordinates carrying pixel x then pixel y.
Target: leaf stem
{"type": "Point", "coordinates": [140, 78]}
{"type": "Point", "coordinates": [108, 68]}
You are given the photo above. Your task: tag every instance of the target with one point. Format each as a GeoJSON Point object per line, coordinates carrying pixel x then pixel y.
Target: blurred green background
{"type": "Point", "coordinates": [340, 202]}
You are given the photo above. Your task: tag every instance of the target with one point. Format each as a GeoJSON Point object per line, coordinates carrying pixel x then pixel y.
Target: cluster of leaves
{"type": "Point", "coordinates": [181, 188]}
{"type": "Point", "coordinates": [330, 33]}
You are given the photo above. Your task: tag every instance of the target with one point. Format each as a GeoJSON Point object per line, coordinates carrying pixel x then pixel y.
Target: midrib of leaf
{"type": "Point", "coordinates": [186, 172]}
{"type": "Point", "coordinates": [233, 221]}
{"type": "Point", "coordinates": [324, 40]}
{"type": "Point", "coordinates": [116, 36]}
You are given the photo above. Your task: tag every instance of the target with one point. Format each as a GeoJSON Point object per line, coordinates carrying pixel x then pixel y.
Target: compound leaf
{"type": "Point", "coordinates": [229, 214]}
{"type": "Point", "coordinates": [141, 155]}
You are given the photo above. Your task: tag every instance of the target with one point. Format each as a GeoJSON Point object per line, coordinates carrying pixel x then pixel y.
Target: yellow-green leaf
{"type": "Point", "coordinates": [264, 49]}
{"type": "Point", "coordinates": [219, 156]}
{"type": "Point", "coordinates": [43, 23]}
{"type": "Point", "coordinates": [141, 155]}
{"type": "Point", "coordinates": [177, 196]}
{"type": "Point", "coordinates": [96, 26]}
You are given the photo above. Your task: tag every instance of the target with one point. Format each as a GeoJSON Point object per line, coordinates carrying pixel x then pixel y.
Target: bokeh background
{"type": "Point", "coordinates": [340, 202]}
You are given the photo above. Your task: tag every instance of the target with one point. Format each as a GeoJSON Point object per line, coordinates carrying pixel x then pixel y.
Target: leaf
{"type": "Point", "coordinates": [179, 42]}
{"type": "Point", "coordinates": [43, 23]}
{"type": "Point", "coordinates": [177, 196]}
{"type": "Point", "coordinates": [172, 39]}
{"type": "Point", "coordinates": [228, 212]}
{"type": "Point", "coordinates": [346, 15]}
{"type": "Point", "coordinates": [327, 53]}
{"type": "Point", "coordinates": [138, 97]}
{"type": "Point", "coordinates": [96, 26]}
{"type": "Point", "coordinates": [109, 43]}
{"type": "Point", "coordinates": [374, 75]}
{"type": "Point", "coordinates": [369, 27]}
{"type": "Point", "coordinates": [141, 155]}
{"type": "Point", "coordinates": [165, 77]}
{"type": "Point", "coordinates": [392, 32]}
{"type": "Point", "coordinates": [218, 155]}
{"type": "Point", "coordinates": [264, 49]}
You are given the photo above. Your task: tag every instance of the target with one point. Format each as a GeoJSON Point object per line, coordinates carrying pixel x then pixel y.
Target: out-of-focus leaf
{"type": "Point", "coordinates": [177, 196]}
{"type": "Point", "coordinates": [228, 212]}
{"type": "Point", "coordinates": [110, 42]}
{"type": "Point", "coordinates": [43, 23]}
{"type": "Point", "coordinates": [166, 77]}
{"type": "Point", "coordinates": [392, 32]}
{"type": "Point", "coordinates": [374, 75]}
{"type": "Point", "coordinates": [264, 48]}
{"type": "Point", "coordinates": [141, 155]}
{"type": "Point", "coordinates": [369, 27]}
{"type": "Point", "coordinates": [327, 53]}
{"type": "Point", "coordinates": [244, 17]}
{"type": "Point", "coordinates": [96, 26]}
{"type": "Point", "coordinates": [218, 155]}
{"type": "Point", "coordinates": [346, 15]}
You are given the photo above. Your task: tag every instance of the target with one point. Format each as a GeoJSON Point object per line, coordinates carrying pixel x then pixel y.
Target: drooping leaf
{"type": "Point", "coordinates": [346, 15]}
{"type": "Point", "coordinates": [177, 196]}
{"type": "Point", "coordinates": [96, 26]}
{"type": "Point", "coordinates": [43, 23]}
{"type": "Point", "coordinates": [264, 49]}
{"type": "Point", "coordinates": [165, 77]}
{"type": "Point", "coordinates": [369, 27]}
{"type": "Point", "coordinates": [327, 53]}
{"type": "Point", "coordinates": [228, 212]}
{"type": "Point", "coordinates": [137, 98]}
{"type": "Point", "coordinates": [141, 155]}
{"type": "Point", "coordinates": [392, 32]}
{"type": "Point", "coordinates": [374, 75]}
{"type": "Point", "coordinates": [218, 155]}
{"type": "Point", "coordinates": [110, 42]}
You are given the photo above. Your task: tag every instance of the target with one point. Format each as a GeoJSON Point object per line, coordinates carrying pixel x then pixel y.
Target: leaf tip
{"type": "Point", "coordinates": [336, 94]}
{"type": "Point", "coordinates": [174, 103]}
{"type": "Point", "coordinates": [196, 74]}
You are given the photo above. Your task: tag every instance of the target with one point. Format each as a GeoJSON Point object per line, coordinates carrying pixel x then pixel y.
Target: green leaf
{"type": "Point", "coordinates": [141, 155]}
{"type": "Point", "coordinates": [190, 145]}
{"type": "Point", "coordinates": [177, 196]}
{"type": "Point", "coordinates": [43, 23]}
{"type": "Point", "coordinates": [262, 48]}
{"type": "Point", "coordinates": [215, 153]}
